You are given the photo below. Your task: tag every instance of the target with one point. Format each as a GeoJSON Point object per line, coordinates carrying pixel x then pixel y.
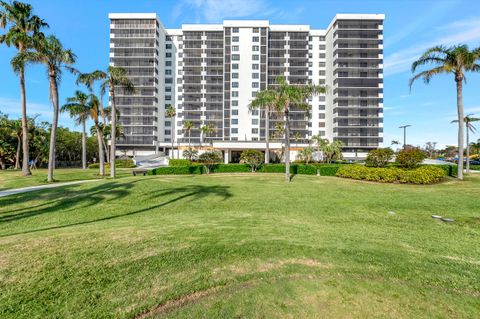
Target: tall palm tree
{"type": "Point", "coordinates": [114, 78]}
{"type": "Point", "coordinates": [16, 130]}
{"type": "Point", "coordinates": [93, 106]}
{"type": "Point", "coordinates": [454, 60]}
{"type": "Point", "coordinates": [23, 26]}
{"type": "Point", "coordinates": [51, 53]}
{"type": "Point", "coordinates": [297, 136]}
{"type": "Point", "coordinates": [188, 126]}
{"type": "Point", "coordinates": [469, 128]}
{"type": "Point", "coordinates": [77, 108]}
{"type": "Point", "coordinates": [264, 101]}
{"type": "Point", "coordinates": [288, 96]}
{"type": "Point", "coordinates": [206, 130]}
{"type": "Point", "coordinates": [171, 113]}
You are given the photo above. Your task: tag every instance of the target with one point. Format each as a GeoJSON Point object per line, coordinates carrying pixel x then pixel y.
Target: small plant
{"type": "Point", "coordinates": [379, 157]}
{"type": "Point", "coordinates": [305, 155]}
{"type": "Point", "coordinates": [252, 158]}
{"type": "Point", "coordinates": [209, 159]}
{"type": "Point", "coordinates": [410, 158]}
{"type": "Point", "coordinates": [190, 154]}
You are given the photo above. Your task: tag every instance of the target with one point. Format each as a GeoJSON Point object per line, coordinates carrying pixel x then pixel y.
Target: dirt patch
{"type": "Point", "coordinates": [269, 266]}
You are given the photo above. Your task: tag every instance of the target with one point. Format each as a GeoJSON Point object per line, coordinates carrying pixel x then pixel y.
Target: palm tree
{"type": "Point", "coordinates": [297, 136]}
{"type": "Point", "coordinates": [188, 126]}
{"type": "Point", "coordinates": [171, 113]}
{"type": "Point", "coordinates": [51, 53]}
{"type": "Point", "coordinates": [206, 130]}
{"type": "Point", "coordinates": [454, 60]}
{"type": "Point", "coordinates": [288, 96]}
{"type": "Point", "coordinates": [77, 108]}
{"type": "Point", "coordinates": [93, 106]}
{"type": "Point", "coordinates": [264, 100]}
{"type": "Point", "coordinates": [23, 27]}
{"type": "Point", "coordinates": [469, 128]}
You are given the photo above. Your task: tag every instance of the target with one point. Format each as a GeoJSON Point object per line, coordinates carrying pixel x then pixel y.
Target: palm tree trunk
{"type": "Point", "coordinates": [171, 137]}
{"type": "Point", "coordinates": [287, 148]}
{"type": "Point", "coordinates": [267, 137]}
{"type": "Point", "coordinates": [106, 152]}
{"type": "Point", "coordinates": [25, 167]}
{"type": "Point", "coordinates": [101, 156]}
{"type": "Point", "coordinates": [53, 131]}
{"type": "Point", "coordinates": [84, 146]}
{"type": "Point", "coordinates": [113, 129]}
{"type": "Point", "coordinates": [460, 127]}
{"type": "Point", "coordinates": [17, 156]}
{"type": "Point", "coordinates": [468, 151]}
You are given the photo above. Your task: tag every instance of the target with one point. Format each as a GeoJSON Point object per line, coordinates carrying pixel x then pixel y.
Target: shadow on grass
{"type": "Point", "coordinates": [95, 195]}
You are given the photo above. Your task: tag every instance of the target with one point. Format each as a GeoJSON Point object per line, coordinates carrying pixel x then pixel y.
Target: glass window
{"type": "Point", "coordinates": [255, 57]}
{"type": "Point", "coordinates": [256, 30]}
{"type": "Point", "coordinates": [255, 112]}
{"type": "Point", "coordinates": [168, 97]}
{"type": "Point", "coordinates": [255, 66]}
{"type": "Point", "coordinates": [235, 103]}
{"type": "Point", "coordinates": [255, 85]}
{"type": "Point", "coordinates": [254, 130]}
{"type": "Point", "coordinates": [321, 115]}
{"type": "Point", "coordinates": [255, 39]}
{"type": "Point", "coordinates": [235, 48]}
{"type": "Point", "coordinates": [234, 75]}
{"type": "Point", "coordinates": [168, 54]}
{"type": "Point", "coordinates": [234, 112]}
{"type": "Point", "coordinates": [235, 57]}
{"type": "Point", "coordinates": [167, 132]}
{"type": "Point", "coordinates": [234, 66]}
{"type": "Point", "coordinates": [254, 94]}
{"type": "Point", "coordinates": [168, 72]}
{"type": "Point", "coordinates": [235, 30]}
{"type": "Point", "coordinates": [234, 131]}
{"type": "Point", "coordinates": [234, 84]}
{"type": "Point", "coordinates": [255, 75]}
{"type": "Point", "coordinates": [255, 48]}
{"type": "Point", "coordinates": [168, 46]}
{"type": "Point", "coordinates": [254, 121]}
{"type": "Point", "coordinates": [168, 123]}
{"type": "Point", "coordinates": [234, 39]}
{"type": "Point", "coordinates": [234, 121]}
{"type": "Point", "coordinates": [168, 63]}
{"type": "Point", "coordinates": [234, 94]}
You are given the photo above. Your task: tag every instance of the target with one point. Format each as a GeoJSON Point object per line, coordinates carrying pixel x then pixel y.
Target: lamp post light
{"type": "Point", "coordinates": [404, 134]}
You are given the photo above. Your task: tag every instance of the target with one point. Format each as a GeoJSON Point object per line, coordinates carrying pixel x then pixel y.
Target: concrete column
{"type": "Point", "coordinates": [227, 156]}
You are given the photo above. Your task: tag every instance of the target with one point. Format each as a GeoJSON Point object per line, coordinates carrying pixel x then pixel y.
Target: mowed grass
{"type": "Point", "coordinates": [13, 178]}
{"type": "Point", "coordinates": [241, 246]}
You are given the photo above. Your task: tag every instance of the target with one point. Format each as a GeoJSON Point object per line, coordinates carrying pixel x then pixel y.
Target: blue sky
{"type": "Point", "coordinates": [411, 26]}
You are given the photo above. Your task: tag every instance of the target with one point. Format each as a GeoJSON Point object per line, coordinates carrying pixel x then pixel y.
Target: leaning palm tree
{"type": "Point", "coordinates": [22, 27]}
{"type": "Point", "coordinates": [93, 106]}
{"type": "Point", "coordinates": [76, 107]}
{"type": "Point", "coordinates": [264, 101]}
{"type": "Point", "coordinates": [188, 126]}
{"type": "Point", "coordinates": [454, 60]}
{"type": "Point", "coordinates": [171, 113]}
{"type": "Point", "coordinates": [51, 53]}
{"type": "Point", "coordinates": [114, 78]}
{"type": "Point", "coordinates": [288, 96]}
{"type": "Point", "coordinates": [469, 128]}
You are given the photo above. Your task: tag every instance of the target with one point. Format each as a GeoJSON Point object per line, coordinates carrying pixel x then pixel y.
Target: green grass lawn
{"type": "Point", "coordinates": [241, 246]}
{"type": "Point", "coordinates": [13, 178]}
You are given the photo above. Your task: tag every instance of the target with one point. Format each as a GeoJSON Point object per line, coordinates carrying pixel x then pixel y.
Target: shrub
{"type": "Point", "coordinates": [190, 154]}
{"type": "Point", "coordinates": [120, 163]}
{"type": "Point", "coordinates": [231, 168]}
{"type": "Point", "coordinates": [252, 158]}
{"type": "Point", "coordinates": [272, 168]}
{"type": "Point", "coordinates": [422, 175]}
{"type": "Point", "coordinates": [177, 170]}
{"type": "Point", "coordinates": [475, 167]}
{"type": "Point", "coordinates": [410, 158]}
{"type": "Point", "coordinates": [209, 159]}
{"type": "Point", "coordinates": [379, 157]}
{"type": "Point", "coordinates": [179, 162]}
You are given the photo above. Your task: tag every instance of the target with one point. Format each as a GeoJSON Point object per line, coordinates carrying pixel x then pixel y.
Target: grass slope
{"type": "Point", "coordinates": [240, 246]}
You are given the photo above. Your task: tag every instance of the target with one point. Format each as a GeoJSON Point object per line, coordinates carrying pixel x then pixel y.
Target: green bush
{"type": "Point", "coordinates": [475, 167]}
{"type": "Point", "coordinates": [422, 175]}
{"type": "Point", "coordinates": [410, 158]}
{"type": "Point", "coordinates": [120, 163]}
{"type": "Point", "coordinates": [272, 168]}
{"type": "Point", "coordinates": [177, 170]}
{"type": "Point", "coordinates": [231, 168]}
{"type": "Point", "coordinates": [210, 159]}
{"type": "Point", "coordinates": [252, 158]}
{"type": "Point", "coordinates": [379, 157]}
{"type": "Point", "coordinates": [179, 162]}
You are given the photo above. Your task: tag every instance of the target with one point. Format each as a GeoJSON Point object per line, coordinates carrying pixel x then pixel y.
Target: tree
{"type": "Point", "coordinates": [94, 107]}
{"type": "Point", "coordinates": [77, 108]}
{"type": "Point", "coordinates": [209, 159]}
{"type": "Point", "coordinates": [410, 158]}
{"type": "Point", "coordinates": [331, 151]}
{"type": "Point", "coordinates": [171, 113]}
{"type": "Point", "coordinates": [430, 149]}
{"type": "Point", "coordinates": [16, 131]}
{"type": "Point", "coordinates": [51, 53]}
{"type": "Point", "coordinates": [23, 28]}
{"type": "Point", "coordinates": [115, 78]}
{"type": "Point", "coordinates": [306, 154]}
{"type": "Point", "coordinates": [379, 157]}
{"type": "Point", "coordinates": [264, 101]}
{"type": "Point", "coordinates": [468, 120]}
{"type": "Point", "coordinates": [454, 60]}
{"type": "Point", "coordinates": [206, 130]}
{"type": "Point", "coordinates": [297, 136]}
{"type": "Point", "coordinates": [252, 158]}
{"type": "Point", "coordinates": [190, 154]}
{"type": "Point", "coordinates": [188, 127]}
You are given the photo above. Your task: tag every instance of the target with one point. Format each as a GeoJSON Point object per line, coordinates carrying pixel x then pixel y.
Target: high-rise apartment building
{"type": "Point", "coordinates": [211, 72]}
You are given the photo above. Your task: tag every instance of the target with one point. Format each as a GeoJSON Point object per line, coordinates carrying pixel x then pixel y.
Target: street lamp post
{"type": "Point", "coordinates": [404, 134]}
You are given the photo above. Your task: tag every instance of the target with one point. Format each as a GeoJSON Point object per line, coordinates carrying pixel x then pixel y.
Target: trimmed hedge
{"type": "Point", "coordinates": [231, 168]}
{"type": "Point", "coordinates": [177, 170]}
{"type": "Point", "coordinates": [120, 163]}
{"type": "Point", "coordinates": [179, 162]}
{"type": "Point", "coordinates": [422, 175]}
{"type": "Point", "coordinates": [475, 167]}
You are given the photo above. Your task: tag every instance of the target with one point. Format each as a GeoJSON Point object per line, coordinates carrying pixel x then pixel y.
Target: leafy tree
{"type": "Point", "coordinates": [22, 28]}
{"type": "Point", "coordinates": [306, 154]}
{"type": "Point", "coordinates": [410, 158]}
{"type": "Point", "coordinates": [468, 120]}
{"type": "Point", "coordinates": [252, 158]}
{"type": "Point", "coordinates": [379, 157]}
{"type": "Point", "coordinates": [209, 159]}
{"type": "Point", "coordinates": [454, 60]}
{"type": "Point", "coordinates": [171, 113]}
{"type": "Point", "coordinates": [77, 108]}
{"type": "Point", "coordinates": [190, 154]}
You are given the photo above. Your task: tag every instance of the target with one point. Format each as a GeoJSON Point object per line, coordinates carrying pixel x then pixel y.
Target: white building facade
{"type": "Point", "coordinates": [210, 74]}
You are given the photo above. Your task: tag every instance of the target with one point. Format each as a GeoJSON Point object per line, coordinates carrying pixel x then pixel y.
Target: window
{"type": "Point", "coordinates": [168, 63]}
{"type": "Point", "coordinates": [168, 97]}
{"type": "Point", "coordinates": [321, 98]}
{"type": "Point", "coordinates": [179, 37]}
{"type": "Point", "coordinates": [168, 72]}
{"type": "Point", "coordinates": [256, 30]}
{"type": "Point", "coordinates": [255, 75]}
{"type": "Point", "coordinates": [235, 66]}
{"type": "Point", "coordinates": [167, 132]}
{"type": "Point", "coordinates": [321, 133]}
{"type": "Point", "coordinates": [234, 39]}
{"type": "Point", "coordinates": [234, 94]}
{"type": "Point", "coordinates": [235, 48]}
{"type": "Point", "coordinates": [234, 75]}
{"type": "Point", "coordinates": [321, 107]}
{"type": "Point", "coordinates": [234, 84]}
{"type": "Point", "coordinates": [180, 54]}
{"type": "Point", "coordinates": [235, 57]}
{"type": "Point", "coordinates": [321, 55]}
{"type": "Point", "coordinates": [254, 94]}
{"type": "Point", "coordinates": [254, 130]}
{"type": "Point", "coordinates": [235, 30]}
{"type": "Point", "coordinates": [322, 38]}
{"type": "Point", "coordinates": [168, 89]}
{"type": "Point", "coordinates": [235, 103]}
{"type": "Point", "coordinates": [255, 66]}
{"type": "Point", "coordinates": [168, 54]}
{"type": "Point", "coordinates": [234, 131]}
{"type": "Point", "coordinates": [168, 38]}
{"type": "Point", "coordinates": [321, 124]}
{"type": "Point", "coordinates": [255, 112]}
{"type": "Point", "coordinates": [168, 80]}
{"type": "Point", "coordinates": [234, 121]}
{"type": "Point", "coordinates": [180, 46]}
{"type": "Point", "coordinates": [255, 85]}
{"type": "Point", "coordinates": [255, 39]}
{"type": "Point", "coordinates": [168, 46]}
{"type": "Point", "coordinates": [321, 64]}
{"type": "Point", "coordinates": [234, 112]}
{"type": "Point", "coordinates": [321, 73]}
{"type": "Point", "coordinates": [255, 48]}
{"type": "Point", "coordinates": [310, 47]}
{"type": "Point", "coordinates": [167, 106]}
{"type": "Point", "coordinates": [322, 47]}
{"type": "Point", "coordinates": [254, 121]}
{"type": "Point", "coordinates": [168, 123]}
{"type": "Point", "coordinates": [321, 116]}
{"type": "Point", "coordinates": [179, 97]}
{"type": "Point", "coordinates": [255, 57]}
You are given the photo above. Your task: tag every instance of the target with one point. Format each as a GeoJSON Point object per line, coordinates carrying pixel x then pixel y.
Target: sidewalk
{"type": "Point", "coordinates": [40, 187]}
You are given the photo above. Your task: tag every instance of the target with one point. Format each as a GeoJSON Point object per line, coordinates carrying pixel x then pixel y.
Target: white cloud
{"type": "Point", "coordinates": [463, 31]}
